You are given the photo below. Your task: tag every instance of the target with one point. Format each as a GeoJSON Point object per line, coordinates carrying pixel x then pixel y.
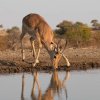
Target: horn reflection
{"type": "Point", "coordinates": [55, 87]}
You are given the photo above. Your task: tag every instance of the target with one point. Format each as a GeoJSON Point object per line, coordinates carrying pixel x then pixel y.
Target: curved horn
{"type": "Point", "coordinates": [64, 47]}
{"type": "Point", "coordinates": [67, 62]}
{"type": "Point", "coordinates": [58, 49]}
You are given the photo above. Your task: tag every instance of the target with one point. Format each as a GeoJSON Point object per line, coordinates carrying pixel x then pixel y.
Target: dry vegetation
{"type": "Point", "coordinates": [3, 40]}
{"type": "Point", "coordinates": [80, 58]}
{"type": "Point", "coordinates": [10, 40]}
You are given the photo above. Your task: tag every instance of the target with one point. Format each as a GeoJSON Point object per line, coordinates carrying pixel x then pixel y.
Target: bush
{"type": "Point", "coordinates": [3, 42]}
{"type": "Point", "coordinates": [75, 33]}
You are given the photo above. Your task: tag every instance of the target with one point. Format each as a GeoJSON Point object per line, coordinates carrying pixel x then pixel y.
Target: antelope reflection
{"type": "Point", "coordinates": [55, 87]}
{"type": "Point", "coordinates": [36, 82]}
{"type": "Point", "coordinates": [23, 84]}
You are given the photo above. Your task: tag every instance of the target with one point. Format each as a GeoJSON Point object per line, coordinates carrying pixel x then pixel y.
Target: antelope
{"type": "Point", "coordinates": [55, 87]}
{"type": "Point", "coordinates": [23, 85]}
{"type": "Point", "coordinates": [39, 30]}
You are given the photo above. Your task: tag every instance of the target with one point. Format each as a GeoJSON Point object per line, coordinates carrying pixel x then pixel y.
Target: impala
{"type": "Point", "coordinates": [39, 30]}
{"type": "Point", "coordinates": [56, 87]}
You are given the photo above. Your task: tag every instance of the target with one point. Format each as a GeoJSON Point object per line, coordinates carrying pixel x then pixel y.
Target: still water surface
{"type": "Point", "coordinates": [74, 85]}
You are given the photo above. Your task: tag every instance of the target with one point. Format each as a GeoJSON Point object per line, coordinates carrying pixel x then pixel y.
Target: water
{"type": "Point", "coordinates": [74, 85]}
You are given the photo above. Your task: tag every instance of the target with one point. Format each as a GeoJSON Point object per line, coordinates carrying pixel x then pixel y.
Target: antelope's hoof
{"type": "Point", "coordinates": [55, 68]}
{"type": "Point", "coordinates": [37, 61]}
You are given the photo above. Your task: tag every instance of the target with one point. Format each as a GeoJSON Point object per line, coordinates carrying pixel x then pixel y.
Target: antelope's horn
{"type": "Point", "coordinates": [67, 62]}
{"type": "Point", "coordinates": [58, 49]}
{"type": "Point", "coordinates": [64, 47]}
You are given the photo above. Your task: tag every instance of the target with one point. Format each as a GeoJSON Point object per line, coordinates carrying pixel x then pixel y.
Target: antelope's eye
{"type": "Point", "coordinates": [54, 56]}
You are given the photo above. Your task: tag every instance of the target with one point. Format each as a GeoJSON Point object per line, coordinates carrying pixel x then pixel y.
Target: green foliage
{"type": "Point", "coordinates": [76, 32]}
{"type": "Point", "coordinates": [95, 24]}
{"type": "Point", "coordinates": [1, 26]}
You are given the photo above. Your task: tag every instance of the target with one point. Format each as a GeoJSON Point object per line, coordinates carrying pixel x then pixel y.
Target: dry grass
{"type": "Point", "coordinates": [4, 43]}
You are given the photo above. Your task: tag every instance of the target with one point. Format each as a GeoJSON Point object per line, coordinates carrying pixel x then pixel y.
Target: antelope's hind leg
{"type": "Point", "coordinates": [22, 48]}
{"type": "Point", "coordinates": [33, 47]}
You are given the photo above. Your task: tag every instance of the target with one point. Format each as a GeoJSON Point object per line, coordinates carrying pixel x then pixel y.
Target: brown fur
{"type": "Point", "coordinates": [39, 29]}
{"type": "Point", "coordinates": [35, 21]}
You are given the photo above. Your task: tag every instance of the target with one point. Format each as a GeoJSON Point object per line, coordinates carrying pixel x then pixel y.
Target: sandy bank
{"type": "Point", "coordinates": [81, 58]}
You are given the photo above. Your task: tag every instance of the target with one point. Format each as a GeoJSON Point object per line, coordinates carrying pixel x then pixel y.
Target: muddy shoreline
{"type": "Point", "coordinates": [80, 59]}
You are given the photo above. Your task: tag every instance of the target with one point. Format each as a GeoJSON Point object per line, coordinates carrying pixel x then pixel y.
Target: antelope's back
{"type": "Point", "coordinates": [32, 20]}
{"type": "Point", "coordinates": [35, 21]}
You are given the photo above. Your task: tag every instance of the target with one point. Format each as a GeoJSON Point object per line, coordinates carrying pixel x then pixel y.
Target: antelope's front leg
{"type": "Point", "coordinates": [36, 56]}
{"type": "Point", "coordinates": [38, 53]}
{"type": "Point", "coordinates": [67, 61]}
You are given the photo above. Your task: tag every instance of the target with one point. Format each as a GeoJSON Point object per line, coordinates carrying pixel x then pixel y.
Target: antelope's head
{"type": "Point", "coordinates": [57, 54]}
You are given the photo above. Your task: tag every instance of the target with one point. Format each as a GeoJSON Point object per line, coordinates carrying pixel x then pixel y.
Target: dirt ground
{"type": "Point", "coordinates": [80, 58]}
